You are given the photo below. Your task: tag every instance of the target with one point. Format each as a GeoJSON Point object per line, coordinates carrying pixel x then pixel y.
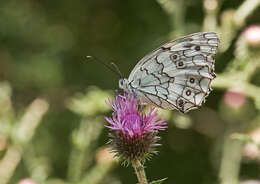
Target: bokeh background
{"type": "Point", "coordinates": [52, 98]}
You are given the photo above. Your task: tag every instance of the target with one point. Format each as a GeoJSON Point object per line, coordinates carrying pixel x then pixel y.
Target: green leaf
{"type": "Point", "coordinates": [159, 181]}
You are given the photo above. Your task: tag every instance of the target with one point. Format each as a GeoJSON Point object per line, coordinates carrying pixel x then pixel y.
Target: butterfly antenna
{"type": "Point", "coordinates": [106, 65]}
{"type": "Point", "coordinates": [117, 69]}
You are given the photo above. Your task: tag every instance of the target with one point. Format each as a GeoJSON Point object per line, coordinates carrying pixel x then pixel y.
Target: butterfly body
{"type": "Point", "coordinates": [177, 75]}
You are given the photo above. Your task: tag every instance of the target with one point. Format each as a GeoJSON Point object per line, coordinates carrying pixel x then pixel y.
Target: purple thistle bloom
{"type": "Point", "coordinates": [133, 133]}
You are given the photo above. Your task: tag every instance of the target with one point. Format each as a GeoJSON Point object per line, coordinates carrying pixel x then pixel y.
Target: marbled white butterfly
{"type": "Point", "coordinates": [177, 75]}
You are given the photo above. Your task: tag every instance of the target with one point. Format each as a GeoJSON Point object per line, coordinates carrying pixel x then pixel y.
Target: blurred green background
{"type": "Point", "coordinates": [52, 98]}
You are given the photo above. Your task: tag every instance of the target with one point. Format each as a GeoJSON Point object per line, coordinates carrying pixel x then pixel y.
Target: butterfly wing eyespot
{"type": "Point", "coordinates": [188, 92]}
{"type": "Point", "coordinates": [197, 48]}
{"type": "Point", "coordinates": [180, 103]}
{"type": "Point", "coordinates": [191, 80]}
{"type": "Point", "coordinates": [180, 64]}
{"type": "Point", "coordinates": [178, 74]}
{"type": "Point", "coordinates": [174, 57]}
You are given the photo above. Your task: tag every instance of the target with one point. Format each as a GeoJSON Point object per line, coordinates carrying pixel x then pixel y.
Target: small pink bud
{"type": "Point", "coordinates": [234, 99]}
{"type": "Point", "coordinates": [252, 34]}
{"type": "Point", "coordinates": [27, 181]}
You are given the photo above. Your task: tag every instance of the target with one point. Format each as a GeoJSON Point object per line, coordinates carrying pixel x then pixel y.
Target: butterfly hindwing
{"type": "Point", "coordinates": [178, 74]}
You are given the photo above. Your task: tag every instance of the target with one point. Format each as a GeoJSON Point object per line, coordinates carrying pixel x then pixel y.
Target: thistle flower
{"type": "Point", "coordinates": [133, 133]}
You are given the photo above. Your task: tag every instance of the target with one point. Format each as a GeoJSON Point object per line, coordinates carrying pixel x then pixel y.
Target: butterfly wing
{"type": "Point", "coordinates": [178, 74]}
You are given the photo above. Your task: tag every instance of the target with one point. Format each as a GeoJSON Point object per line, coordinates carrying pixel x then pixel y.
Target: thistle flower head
{"type": "Point", "coordinates": [133, 133]}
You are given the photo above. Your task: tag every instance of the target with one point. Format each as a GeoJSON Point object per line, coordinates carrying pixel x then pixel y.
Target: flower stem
{"type": "Point", "coordinates": [139, 170]}
{"type": "Point", "coordinates": [231, 159]}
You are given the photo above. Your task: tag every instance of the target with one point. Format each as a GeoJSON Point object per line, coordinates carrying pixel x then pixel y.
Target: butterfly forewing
{"type": "Point", "coordinates": [178, 74]}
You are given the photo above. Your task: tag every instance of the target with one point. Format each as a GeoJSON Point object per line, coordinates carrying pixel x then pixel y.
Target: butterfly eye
{"type": "Point", "coordinates": [121, 83]}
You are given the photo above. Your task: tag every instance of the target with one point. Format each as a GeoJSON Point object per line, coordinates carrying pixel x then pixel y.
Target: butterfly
{"type": "Point", "coordinates": [176, 75]}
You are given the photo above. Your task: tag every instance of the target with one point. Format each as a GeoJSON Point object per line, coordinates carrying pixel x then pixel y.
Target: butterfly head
{"type": "Point", "coordinates": [123, 84]}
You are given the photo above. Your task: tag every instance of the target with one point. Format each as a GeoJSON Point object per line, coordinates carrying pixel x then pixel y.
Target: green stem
{"type": "Point", "coordinates": [244, 11]}
{"type": "Point", "coordinates": [140, 173]}
{"type": "Point", "coordinates": [97, 173]}
{"type": "Point", "coordinates": [178, 17]}
{"type": "Point", "coordinates": [231, 158]}
{"type": "Point", "coordinates": [76, 164]}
